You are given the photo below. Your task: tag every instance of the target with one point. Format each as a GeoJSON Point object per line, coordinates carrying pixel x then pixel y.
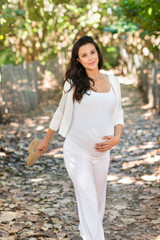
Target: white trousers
{"type": "Point", "coordinates": [89, 177]}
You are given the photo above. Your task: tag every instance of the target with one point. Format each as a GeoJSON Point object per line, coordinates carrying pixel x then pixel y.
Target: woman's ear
{"type": "Point", "coordinates": [78, 60]}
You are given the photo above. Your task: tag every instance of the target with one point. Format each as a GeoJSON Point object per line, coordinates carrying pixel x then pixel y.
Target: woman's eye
{"type": "Point", "coordinates": [83, 55]}
{"type": "Point", "coordinates": [93, 52]}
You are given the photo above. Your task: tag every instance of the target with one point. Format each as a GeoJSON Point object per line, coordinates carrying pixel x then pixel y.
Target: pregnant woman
{"type": "Point", "coordinates": [90, 117]}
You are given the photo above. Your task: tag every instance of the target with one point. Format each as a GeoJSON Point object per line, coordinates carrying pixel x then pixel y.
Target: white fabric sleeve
{"type": "Point", "coordinates": [57, 117]}
{"type": "Point", "coordinates": [119, 116]}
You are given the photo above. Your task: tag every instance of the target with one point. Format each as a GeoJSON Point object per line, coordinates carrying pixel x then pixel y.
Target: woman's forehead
{"type": "Point", "coordinates": [86, 48]}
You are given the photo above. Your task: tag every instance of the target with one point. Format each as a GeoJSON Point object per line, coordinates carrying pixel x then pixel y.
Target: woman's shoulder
{"type": "Point", "coordinates": [114, 80]}
{"type": "Point", "coordinates": [111, 76]}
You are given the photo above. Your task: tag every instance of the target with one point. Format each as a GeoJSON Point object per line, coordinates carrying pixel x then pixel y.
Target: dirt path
{"type": "Point", "coordinates": [38, 202]}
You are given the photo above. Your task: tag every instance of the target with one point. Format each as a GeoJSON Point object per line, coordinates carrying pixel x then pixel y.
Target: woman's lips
{"type": "Point", "coordinates": [91, 63]}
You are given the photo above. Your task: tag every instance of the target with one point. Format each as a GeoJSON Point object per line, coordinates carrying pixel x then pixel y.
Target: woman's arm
{"type": "Point", "coordinates": [57, 117]}
{"type": "Point", "coordinates": [119, 118]}
{"type": "Point", "coordinates": [118, 129]}
{"type": "Point", "coordinates": [49, 135]}
{"type": "Point", "coordinates": [43, 145]}
{"type": "Point", "coordinates": [56, 120]}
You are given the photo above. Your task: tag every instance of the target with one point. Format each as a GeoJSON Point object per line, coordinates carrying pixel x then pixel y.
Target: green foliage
{"type": "Point", "coordinates": [9, 57]}
{"type": "Point", "coordinates": [111, 57]}
{"type": "Point", "coordinates": [145, 13]}
{"type": "Point", "coordinates": [38, 30]}
{"type": "Point", "coordinates": [121, 26]}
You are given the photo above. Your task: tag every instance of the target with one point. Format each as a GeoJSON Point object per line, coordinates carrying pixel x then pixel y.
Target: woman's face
{"type": "Point", "coordinates": [88, 56]}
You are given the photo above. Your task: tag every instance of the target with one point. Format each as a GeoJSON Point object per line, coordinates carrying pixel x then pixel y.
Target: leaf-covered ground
{"type": "Point", "coordinates": [38, 202]}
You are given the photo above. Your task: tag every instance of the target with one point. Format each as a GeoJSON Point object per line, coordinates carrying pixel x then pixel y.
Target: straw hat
{"type": "Point", "coordinates": [34, 154]}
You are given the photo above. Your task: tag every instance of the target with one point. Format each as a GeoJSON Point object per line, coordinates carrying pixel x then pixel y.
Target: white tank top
{"type": "Point", "coordinates": [93, 119]}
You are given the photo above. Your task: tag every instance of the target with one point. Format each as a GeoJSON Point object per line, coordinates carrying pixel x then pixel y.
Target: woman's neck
{"type": "Point", "coordinates": [94, 74]}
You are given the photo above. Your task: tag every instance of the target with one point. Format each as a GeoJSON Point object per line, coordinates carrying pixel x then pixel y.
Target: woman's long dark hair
{"type": "Point", "coordinates": [76, 73]}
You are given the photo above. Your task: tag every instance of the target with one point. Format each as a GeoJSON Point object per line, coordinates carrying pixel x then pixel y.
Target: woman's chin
{"type": "Point", "coordinates": [92, 67]}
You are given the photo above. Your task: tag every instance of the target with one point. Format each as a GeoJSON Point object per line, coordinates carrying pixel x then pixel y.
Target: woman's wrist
{"type": "Point", "coordinates": [118, 138]}
{"type": "Point", "coordinates": [47, 139]}
{"type": "Point", "coordinates": [118, 131]}
{"type": "Point", "coordinates": [49, 135]}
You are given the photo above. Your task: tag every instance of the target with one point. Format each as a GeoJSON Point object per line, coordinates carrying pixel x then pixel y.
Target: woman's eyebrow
{"type": "Point", "coordinates": [90, 51]}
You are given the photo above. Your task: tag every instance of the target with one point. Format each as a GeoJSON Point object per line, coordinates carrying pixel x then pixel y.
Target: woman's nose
{"type": "Point", "coordinates": [90, 57]}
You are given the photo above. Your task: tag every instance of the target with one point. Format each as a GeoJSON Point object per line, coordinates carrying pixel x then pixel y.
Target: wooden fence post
{"type": "Point", "coordinates": [154, 85]}
{"type": "Point", "coordinates": [150, 83]}
{"type": "Point", "coordinates": [157, 83]}
{"type": "Point", "coordinates": [144, 81]}
{"type": "Point", "coordinates": [150, 94]}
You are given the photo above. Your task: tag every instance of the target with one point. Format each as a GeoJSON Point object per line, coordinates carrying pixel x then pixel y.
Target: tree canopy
{"type": "Point", "coordinates": [38, 31]}
{"type": "Point", "coordinates": [145, 13]}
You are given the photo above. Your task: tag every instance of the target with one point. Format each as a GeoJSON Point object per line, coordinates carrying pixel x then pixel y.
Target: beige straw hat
{"type": "Point", "coordinates": [34, 154]}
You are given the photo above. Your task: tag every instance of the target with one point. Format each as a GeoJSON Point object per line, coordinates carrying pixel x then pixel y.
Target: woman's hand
{"type": "Point", "coordinates": [42, 146]}
{"type": "Point", "coordinates": [110, 142]}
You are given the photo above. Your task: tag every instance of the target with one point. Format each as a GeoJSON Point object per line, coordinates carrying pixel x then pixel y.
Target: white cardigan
{"type": "Point", "coordinates": [62, 118]}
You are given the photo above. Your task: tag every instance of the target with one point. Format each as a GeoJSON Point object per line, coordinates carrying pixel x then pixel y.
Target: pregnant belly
{"type": "Point", "coordinates": [86, 137]}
